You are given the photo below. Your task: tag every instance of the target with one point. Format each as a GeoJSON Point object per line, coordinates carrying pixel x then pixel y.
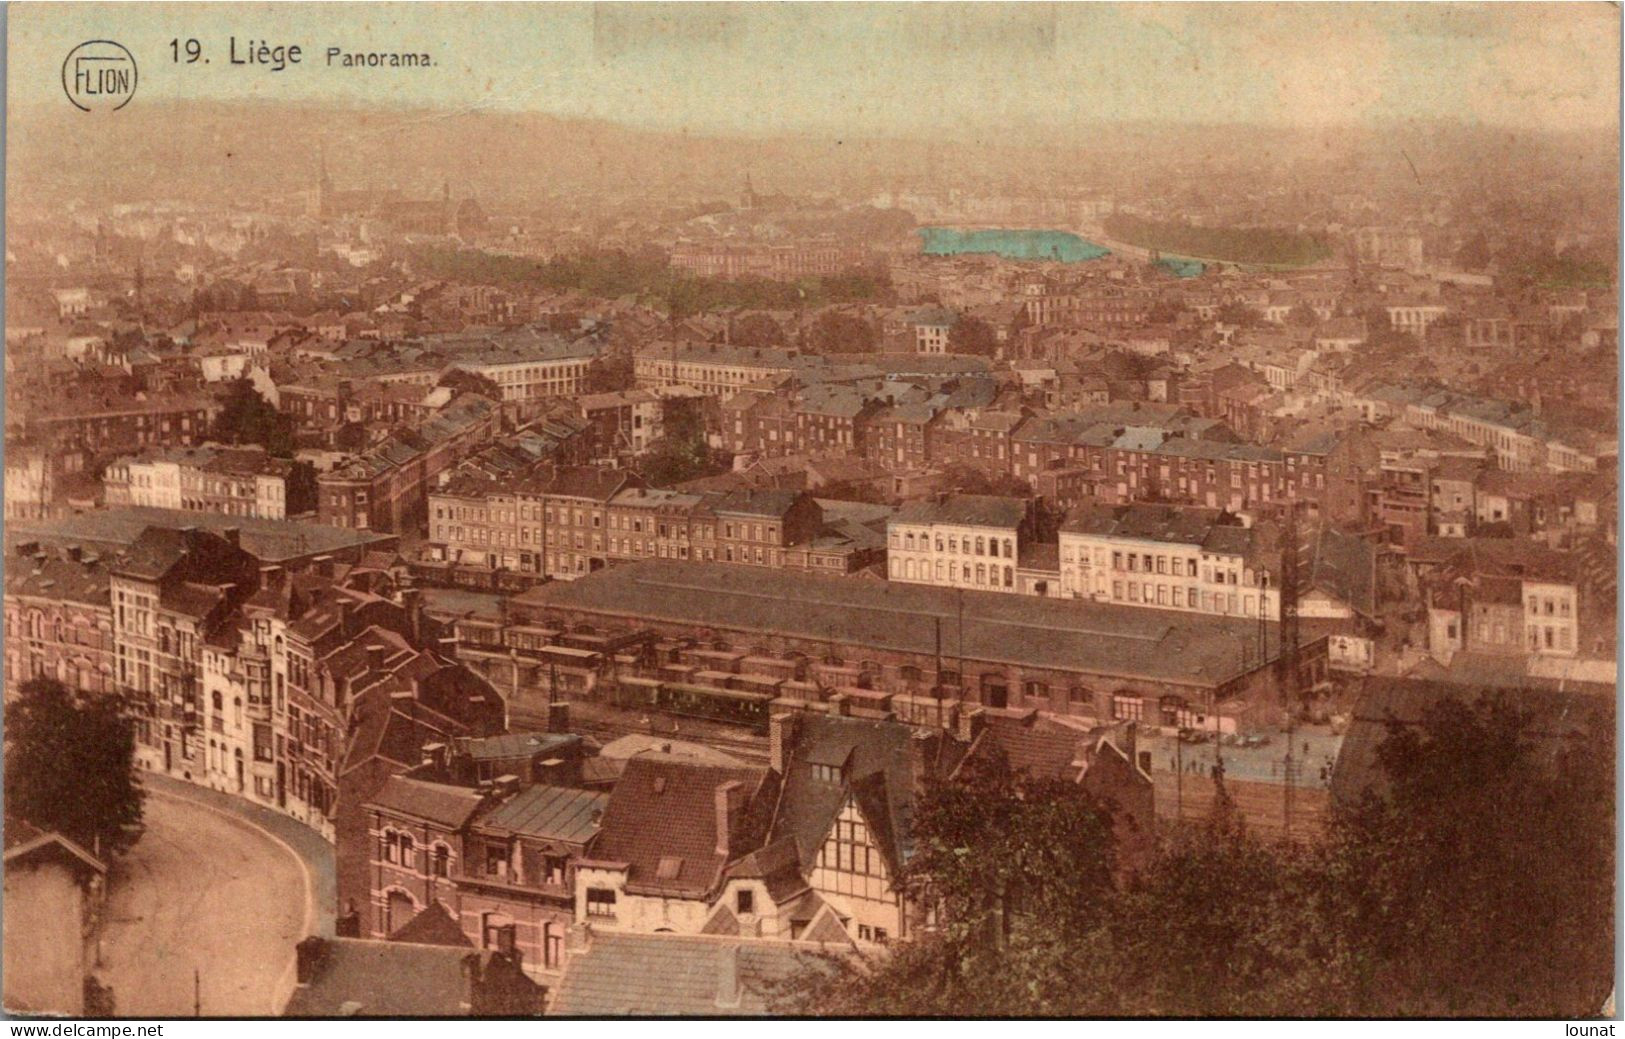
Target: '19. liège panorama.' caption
{"type": "Point", "coordinates": [268, 56]}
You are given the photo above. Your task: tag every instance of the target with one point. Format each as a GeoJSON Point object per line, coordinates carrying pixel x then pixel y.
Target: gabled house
{"type": "Point", "coordinates": [848, 796]}
{"type": "Point", "coordinates": [671, 828]}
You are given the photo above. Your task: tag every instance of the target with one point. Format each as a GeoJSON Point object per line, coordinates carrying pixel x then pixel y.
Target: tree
{"type": "Point", "coordinates": [248, 418]}
{"type": "Point", "coordinates": [676, 459]}
{"type": "Point", "coordinates": [682, 452]}
{"type": "Point", "coordinates": [833, 332]}
{"type": "Point", "coordinates": [1475, 253]}
{"type": "Point", "coordinates": [1162, 312]}
{"type": "Point", "coordinates": [1226, 924]}
{"type": "Point", "coordinates": [972, 335]}
{"type": "Point", "coordinates": [968, 479]}
{"type": "Point", "coordinates": [302, 489]}
{"type": "Point", "coordinates": [609, 373]}
{"type": "Point", "coordinates": [1302, 316]}
{"type": "Point", "coordinates": [1020, 871]}
{"type": "Point", "coordinates": [1236, 313]}
{"type": "Point", "coordinates": [754, 330]}
{"type": "Point", "coordinates": [1480, 881]}
{"type": "Point", "coordinates": [461, 380]}
{"type": "Point", "coordinates": [69, 764]}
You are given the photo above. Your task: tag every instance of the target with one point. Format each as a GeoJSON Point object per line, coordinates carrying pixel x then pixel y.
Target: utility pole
{"type": "Point", "coordinates": [937, 675]}
{"type": "Point", "coordinates": [1288, 664]}
{"type": "Point", "coordinates": [961, 600]}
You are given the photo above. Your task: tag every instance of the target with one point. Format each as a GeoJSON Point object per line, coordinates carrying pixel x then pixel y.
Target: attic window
{"type": "Point", "coordinates": [826, 773]}
{"type": "Point", "coordinates": [660, 784]}
{"type": "Point", "coordinates": [669, 867]}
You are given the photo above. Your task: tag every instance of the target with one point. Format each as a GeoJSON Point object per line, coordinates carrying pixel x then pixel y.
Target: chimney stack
{"type": "Point", "coordinates": [921, 750]}
{"type": "Point", "coordinates": [558, 717]}
{"type": "Point", "coordinates": [781, 740]}
{"type": "Point", "coordinates": [471, 979]}
{"type": "Point", "coordinates": [434, 755]}
{"type": "Point", "coordinates": [234, 535]}
{"type": "Point", "coordinates": [375, 657]}
{"type": "Point", "coordinates": [727, 795]}
{"type": "Point", "coordinates": [412, 603]}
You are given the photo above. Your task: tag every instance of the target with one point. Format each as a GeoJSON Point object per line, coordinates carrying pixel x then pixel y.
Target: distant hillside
{"type": "Point", "coordinates": [1260, 245]}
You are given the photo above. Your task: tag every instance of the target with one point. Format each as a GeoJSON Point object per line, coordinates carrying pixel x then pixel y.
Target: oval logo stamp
{"type": "Point", "coordinates": [99, 75]}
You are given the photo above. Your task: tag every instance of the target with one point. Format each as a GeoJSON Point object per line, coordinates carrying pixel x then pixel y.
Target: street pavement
{"type": "Point", "coordinates": [203, 890]}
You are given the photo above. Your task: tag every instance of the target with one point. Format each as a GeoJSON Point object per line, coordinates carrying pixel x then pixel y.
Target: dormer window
{"type": "Point", "coordinates": [826, 773]}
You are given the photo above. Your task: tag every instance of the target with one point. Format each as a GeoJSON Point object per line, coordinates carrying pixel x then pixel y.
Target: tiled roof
{"type": "Point", "coordinates": [1346, 567]}
{"type": "Point", "coordinates": [668, 974]}
{"type": "Point", "coordinates": [874, 760]}
{"type": "Point", "coordinates": [666, 808]}
{"type": "Point", "coordinates": [433, 926]}
{"type": "Point", "coordinates": [363, 978]}
{"type": "Point", "coordinates": [451, 806]}
{"type": "Point", "coordinates": [59, 579]}
{"type": "Point", "coordinates": [1040, 748]}
{"type": "Point", "coordinates": [271, 541]}
{"type": "Point", "coordinates": [975, 510]}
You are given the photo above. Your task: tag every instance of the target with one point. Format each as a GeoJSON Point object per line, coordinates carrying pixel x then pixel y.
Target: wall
{"type": "Point", "coordinates": [44, 939]}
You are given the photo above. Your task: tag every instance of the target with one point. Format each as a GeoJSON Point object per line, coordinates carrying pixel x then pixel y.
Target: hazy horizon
{"type": "Point", "coordinates": [815, 70]}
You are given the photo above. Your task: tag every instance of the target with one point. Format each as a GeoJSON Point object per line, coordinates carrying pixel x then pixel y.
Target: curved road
{"type": "Point", "coordinates": [201, 890]}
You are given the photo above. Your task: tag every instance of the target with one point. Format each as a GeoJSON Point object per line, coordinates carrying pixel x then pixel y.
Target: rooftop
{"type": "Point", "coordinates": [549, 812]}
{"type": "Point", "coordinates": [1084, 637]}
{"type": "Point", "coordinates": [271, 541]}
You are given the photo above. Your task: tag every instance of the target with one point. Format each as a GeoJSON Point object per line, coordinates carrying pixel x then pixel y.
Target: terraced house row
{"type": "Point", "coordinates": [275, 685]}
{"type": "Point", "coordinates": [566, 522]}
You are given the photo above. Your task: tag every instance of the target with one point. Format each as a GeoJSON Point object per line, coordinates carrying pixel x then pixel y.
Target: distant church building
{"type": "Point", "coordinates": [442, 216]}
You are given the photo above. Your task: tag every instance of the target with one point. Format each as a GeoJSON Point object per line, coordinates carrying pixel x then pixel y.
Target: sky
{"type": "Point", "coordinates": [880, 69]}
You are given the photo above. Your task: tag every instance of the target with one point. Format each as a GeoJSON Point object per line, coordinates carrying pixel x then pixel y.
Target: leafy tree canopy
{"type": "Point", "coordinates": [69, 760]}
{"type": "Point", "coordinates": [248, 418]}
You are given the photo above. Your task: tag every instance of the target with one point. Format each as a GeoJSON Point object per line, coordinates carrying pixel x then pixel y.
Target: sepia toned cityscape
{"type": "Point", "coordinates": [862, 510]}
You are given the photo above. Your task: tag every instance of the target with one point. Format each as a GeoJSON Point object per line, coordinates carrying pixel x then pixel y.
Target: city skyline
{"type": "Point", "coordinates": [817, 69]}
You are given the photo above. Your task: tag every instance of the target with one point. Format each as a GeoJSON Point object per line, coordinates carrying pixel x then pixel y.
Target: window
{"type": "Point", "coordinates": [440, 862]}
{"type": "Point", "coordinates": [496, 860]}
{"type": "Point", "coordinates": [1128, 708]}
{"type": "Point", "coordinates": [826, 773]}
{"type": "Point", "coordinates": [553, 870]}
{"type": "Point", "coordinates": [552, 946]}
{"type": "Point", "coordinates": [600, 902]}
{"type": "Point", "coordinates": [746, 901]}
